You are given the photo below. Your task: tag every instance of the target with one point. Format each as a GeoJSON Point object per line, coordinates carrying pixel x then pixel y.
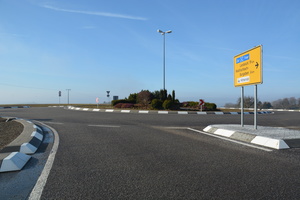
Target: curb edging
{"type": "Point", "coordinates": [161, 111]}
{"type": "Point", "coordinates": [5, 107]}
{"type": "Point", "coordinates": [15, 155]}
{"type": "Point", "coordinates": [249, 138]}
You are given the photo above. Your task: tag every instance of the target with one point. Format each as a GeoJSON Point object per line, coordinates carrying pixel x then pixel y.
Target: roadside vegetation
{"type": "Point", "coordinates": [285, 103]}
{"type": "Point", "coordinates": [159, 100]}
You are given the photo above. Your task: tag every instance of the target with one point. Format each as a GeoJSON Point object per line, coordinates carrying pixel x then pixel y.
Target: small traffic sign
{"type": "Point", "coordinates": [201, 102]}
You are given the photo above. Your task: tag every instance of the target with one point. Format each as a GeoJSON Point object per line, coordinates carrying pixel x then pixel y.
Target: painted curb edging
{"type": "Point", "coordinates": [5, 107]}
{"type": "Point", "coordinates": [15, 155]}
{"type": "Point", "coordinates": [254, 139]}
{"type": "Point", "coordinates": [162, 111]}
{"type": "Point", "coordinates": [14, 161]}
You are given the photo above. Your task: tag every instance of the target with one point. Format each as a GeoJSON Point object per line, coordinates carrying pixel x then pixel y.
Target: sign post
{"type": "Point", "coordinates": [248, 71]}
{"type": "Point", "coordinates": [97, 101]}
{"type": "Point", "coordinates": [59, 95]}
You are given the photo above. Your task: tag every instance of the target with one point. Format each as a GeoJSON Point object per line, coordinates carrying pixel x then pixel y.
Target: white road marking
{"type": "Point", "coordinates": [37, 191]}
{"type": "Point", "coordinates": [170, 127]}
{"type": "Point", "coordinates": [53, 123]}
{"type": "Point", "coordinates": [104, 126]}
{"type": "Point", "coordinates": [227, 139]}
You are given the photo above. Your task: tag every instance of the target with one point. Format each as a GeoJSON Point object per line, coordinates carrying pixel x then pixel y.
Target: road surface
{"type": "Point", "coordinates": [155, 156]}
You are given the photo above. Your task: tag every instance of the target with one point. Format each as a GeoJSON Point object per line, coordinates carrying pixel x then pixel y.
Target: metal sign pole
{"type": "Point", "coordinates": [242, 106]}
{"type": "Point", "coordinates": [255, 106]}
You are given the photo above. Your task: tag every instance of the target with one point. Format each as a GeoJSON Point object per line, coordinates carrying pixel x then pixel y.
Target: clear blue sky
{"type": "Point", "coordinates": [92, 46]}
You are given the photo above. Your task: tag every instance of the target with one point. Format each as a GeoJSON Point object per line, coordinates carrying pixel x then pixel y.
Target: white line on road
{"type": "Point", "coordinates": [41, 182]}
{"type": "Point", "coordinates": [105, 126]}
{"type": "Point", "coordinates": [53, 123]}
{"type": "Point", "coordinates": [235, 141]}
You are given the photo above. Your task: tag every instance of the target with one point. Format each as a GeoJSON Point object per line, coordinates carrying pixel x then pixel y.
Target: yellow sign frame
{"type": "Point", "coordinates": [248, 67]}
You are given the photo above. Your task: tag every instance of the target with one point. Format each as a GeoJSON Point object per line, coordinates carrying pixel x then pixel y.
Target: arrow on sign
{"type": "Point", "coordinates": [256, 65]}
{"type": "Point", "coordinates": [201, 102]}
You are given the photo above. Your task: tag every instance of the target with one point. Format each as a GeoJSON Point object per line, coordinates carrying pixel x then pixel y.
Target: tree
{"type": "Point", "coordinates": [266, 105]}
{"type": "Point", "coordinates": [287, 103]}
{"type": "Point", "coordinates": [248, 102]}
{"type": "Point", "coordinates": [156, 94]}
{"type": "Point", "coordinates": [173, 95]}
{"type": "Point", "coordinates": [293, 103]}
{"type": "Point", "coordinates": [144, 97]}
{"type": "Point", "coordinates": [133, 97]}
{"type": "Point", "coordinates": [163, 95]}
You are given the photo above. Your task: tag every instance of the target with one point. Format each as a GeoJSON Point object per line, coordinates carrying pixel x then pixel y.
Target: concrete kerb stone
{"type": "Point", "coordinates": [161, 111]}
{"type": "Point", "coordinates": [14, 156]}
{"type": "Point", "coordinates": [272, 137]}
{"type": "Point", "coordinates": [5, 107]}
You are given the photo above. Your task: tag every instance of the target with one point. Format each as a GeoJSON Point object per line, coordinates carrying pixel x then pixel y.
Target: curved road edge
{"type": "Point", "coordinates": [37, 191]}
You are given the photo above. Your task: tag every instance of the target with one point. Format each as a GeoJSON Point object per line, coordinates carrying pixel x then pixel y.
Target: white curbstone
{"type": "Point", "coordinates": [125, 111]}
{"type": "Point", "coordinates": [269, 142]}
{"type": "Point", "coordinates": [163, 112]}
{"type": "Point", "coordinates": [14, 162]}
{"type": "Point", "coordinates": [144, 111]}
{"type": "Point", "coordinates": [219, 113]}
{"type": "Point", "coordinates": [202, 113]}
{"type": "Point", "coordinates": [28, 148]}
{"type": "Point", "coordinates": [183, 112]}
{"type": "Point", "coordinates": [223, 132]}
{"type": "Point", "coordinates": [207, 128]}
{"type": "Point", "coordinates": [37, 135]}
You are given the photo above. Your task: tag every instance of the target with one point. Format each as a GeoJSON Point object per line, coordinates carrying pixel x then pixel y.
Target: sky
{"type": "Point", "coordinates": [94, 46]}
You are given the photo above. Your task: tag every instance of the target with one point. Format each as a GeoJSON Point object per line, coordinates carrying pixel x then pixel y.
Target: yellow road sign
{"type": "Point", "coordinates": [248, 67]}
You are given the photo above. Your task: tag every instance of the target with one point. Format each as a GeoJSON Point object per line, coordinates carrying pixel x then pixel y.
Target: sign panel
{"type": "Point", "coordinates": [248, 67]}
{"type": "Point", "coordinates": [201, 102]}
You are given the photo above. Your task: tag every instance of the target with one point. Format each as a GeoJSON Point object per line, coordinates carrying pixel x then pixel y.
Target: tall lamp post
{"type": "Point", "coordinates": [68, 95]}
{"type": "Point", "coordinates": [164, 55]}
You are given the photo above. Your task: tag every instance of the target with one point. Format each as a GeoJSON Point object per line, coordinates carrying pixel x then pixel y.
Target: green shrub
{"type": "Point", "coordinates": [167, 104]}
{"type": "Point", "coordinates": [156, 104]}
{"type": "Point", "coordinates": [193, 104]}
{"type": "Point", "coordinates": [210, 106]}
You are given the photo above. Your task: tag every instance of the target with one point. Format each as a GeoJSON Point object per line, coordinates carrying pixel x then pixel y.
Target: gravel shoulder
{"type": "Point", "coordinates": [9, 131]}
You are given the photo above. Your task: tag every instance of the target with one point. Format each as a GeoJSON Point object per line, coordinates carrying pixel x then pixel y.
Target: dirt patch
{"type": "Point", "coordinates": [9, 131]}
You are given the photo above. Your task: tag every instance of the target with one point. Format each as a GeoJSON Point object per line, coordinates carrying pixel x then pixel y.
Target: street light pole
{"type": "Point", "coordinates": [164, 55]}
{"type": "Point", "coordinates": [68, 95]}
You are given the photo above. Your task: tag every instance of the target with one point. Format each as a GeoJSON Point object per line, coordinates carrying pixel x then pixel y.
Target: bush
{"type": "Point", "coordinates": [193, 104]}
{"type": "Point", "coordinates": [115, 102]}
{"type": "Point", "coordinates": [127, 105]}
{"type": "Point", "coordinates": [124, 105]}
{"type": "Point", "coordinates": [156, 104]}
{"type": "Point", "coordinates": [190, 104]}
{"type": "Point", "coordinates": [167, 104]}
{"type": "Point", "coordinates": [210, 106]}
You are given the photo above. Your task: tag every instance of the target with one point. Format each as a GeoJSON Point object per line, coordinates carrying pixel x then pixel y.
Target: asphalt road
{"type": "Point", "coordinates": [155, 156]}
